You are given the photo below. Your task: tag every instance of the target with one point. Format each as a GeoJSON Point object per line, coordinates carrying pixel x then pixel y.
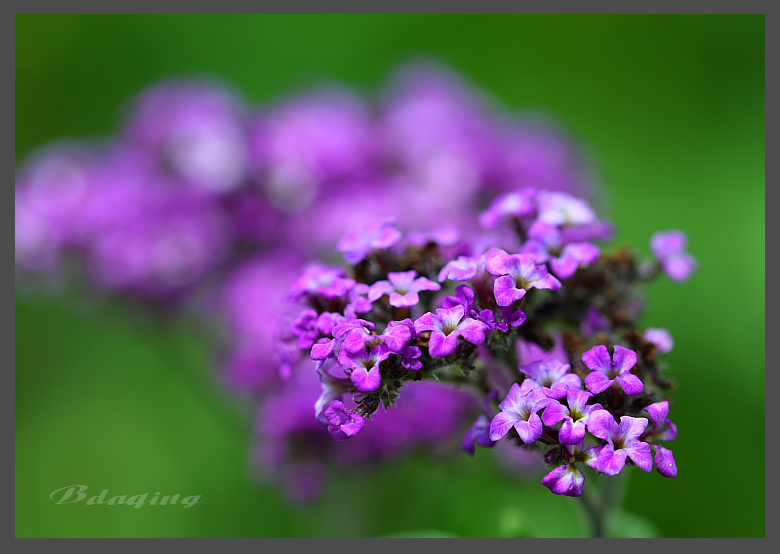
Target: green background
{"type": "Point", "coordinates": [672, 108]}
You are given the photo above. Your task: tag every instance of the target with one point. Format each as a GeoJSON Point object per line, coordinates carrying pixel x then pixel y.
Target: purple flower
{"type": "Point", "coordinates": [595, 322]}
{"type": "Point", "coordinates": [530, 352]}
{"type": "Point", "coordinates": [464, 268]}
{"type": "Point", "coordinates": [358, 335]}
{"type": "Point", "coordinates": [662, 429]}
{"type": "Point", "coordinates": [332, 386]}
{"type": "Point", "coordinates": [363, 366]}
{"type": "Point", "coordinates": [661, 338]}
{"type": "Point", "coordinates": [567, 479]}
{"type": "Point", "coordinates": [622, 441]}
{"type": "Point", "coordinates": [354, 334]}
{"type": "Point", "coordinates": [575, 416]}
{"type": "Point", "coordinates": [437, 130]}
{"type": "Point", "coordinates": [552, 377]}
{"type": "Point", "coordinates": [606, 370]}
{"type": "Point", "coordinates": [197, 129]}
{"type": "Point", "coordinates": [446, 325]}
{"type": "Point", "coordinates": [358, 243]}
{"type": "Point", "coordinates": [410, 357]}
{"type": "Point", "coordinates": [304, 147]}
{"type": "Point", "coordinates": [519, 411]}
{"type": "Point", "coordinates": [464, 296]}
{"type": "Point", "coordinates": [669, 248]}
{"type": "Point", "coordinates": [561, 209]}
{"type": "Point", "coordinates": [547, 243]}
{"type": "Point", "coordinates": [514, 204]}
{"type": "Point", "coordinates": [343, 424]}
{"type": "Point", "coordinates": [515, 318]}
{"type": "Point", "coordinates": [305, 328]}
{"type": "Point", "coordinates": [477, 435]}
{"type": "Point", "coordinates": [317, 279]}
{"type": "Point", "coordinates": [517, 273]}
{"type": "Point", "coordinates": [358, 299]}
{"type": "Point", "coordinates": [403, 288]}
{"type": "Point", "coordinates": [489, 319]}
{"type": "Point", "coordinates": [443, 236]}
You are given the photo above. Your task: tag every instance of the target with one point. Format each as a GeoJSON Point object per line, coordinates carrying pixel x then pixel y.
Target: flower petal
{"type": "Point", "coordinates": [501, 424]}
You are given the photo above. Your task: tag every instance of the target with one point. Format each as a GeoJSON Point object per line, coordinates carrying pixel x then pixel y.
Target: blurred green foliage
{"type": "Point", "coordinates": [672, 109]}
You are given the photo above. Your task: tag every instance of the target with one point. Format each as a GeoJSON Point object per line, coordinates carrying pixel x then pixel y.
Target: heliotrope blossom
{"type": "Point", "coordinates": [568, 479]}
{"type": "Point", "coordinates": [446, 325]}
{"type": "Point", "coordinates": [662, 429]}
{"type": "Point", "coordinates": [623, 441]}
{"type": "Point", "coordinates": [516, 275]}
{"type": "Point", "coordinates": [519, 410]}
{"type": "Point", "coordinates": [606, 370]}
{"type": "Point", "coordinates": [403, 288]}
{"type": "Point", "coordinates": [375, 236]}
{"type": "Point", "coordinates": [551, 377]}
{"type": "Point", "coordinates": [574, 416]}
{"type": "Point", "coordinates": [201, 197]}
{"type": "Point", "coordinates": [662, 339]}
{"type": "Point", "coordinates": [669, 247]}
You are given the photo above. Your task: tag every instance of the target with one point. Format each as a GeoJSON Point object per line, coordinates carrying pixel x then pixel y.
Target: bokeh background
{"type": "Point", "coordinates": [670, 107]}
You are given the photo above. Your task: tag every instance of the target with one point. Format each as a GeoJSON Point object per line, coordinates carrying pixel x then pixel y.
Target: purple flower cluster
{"type": "Point", "coordinates": [577, 377]}
{"type": "Point", "coordinates": [202, 196]}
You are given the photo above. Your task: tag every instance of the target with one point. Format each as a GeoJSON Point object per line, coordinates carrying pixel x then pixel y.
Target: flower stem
{"type": "Point", "coordinates": [599, 505]}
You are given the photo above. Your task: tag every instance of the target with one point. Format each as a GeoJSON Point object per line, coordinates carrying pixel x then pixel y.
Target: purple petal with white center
{"type": "Point", "coordinates": [441, 345]}
{"type": "Point", "coordinates": [631, 427]}
{"type": "Point", "coordinates": [472, 330]}
{"type": "Point", "coordinates": [565, 480]}
{"type": "Point", "coordinates": [611, 461]}
{"type": "Point", "coordinates": [506, 291]}
{"type": "Point", "coordinates": [597, 359]}
{"type": "Point", "coordinates": [501, 424]}
{"type": "Point", "coordinates": [602, 425]}
{"type": "Point", "coordinates": [640, 454]}
{"type": "Point", "coordinates": [366, 381]}
{"type": "Point", "coordinates": [379, 289]}
{"type": "Point", "coordinates": [397, 335]}
{"type": "Point", "coordinates": [565, 266]}
{"type": "Point", "coordinates": [561, 386]}
{"type": "Point", "coordinates": [623, 359]}
{"type": "Point", "coordinates": [407, 300]}
{"type": "Point", "coordinates": [530, 431]}
{"type": "Point", "coordinates": [554, 413]}
{"type": "Point", "coordinates": [577, 399]}
{"type": "Point", "coordinates": [597, 382]}
{"type": "Point", "coordinates": [460, 269]}
{"type": "Point", "coordinates": [426, 322]}
{"type": "Point", "coordinates": [499, 262]}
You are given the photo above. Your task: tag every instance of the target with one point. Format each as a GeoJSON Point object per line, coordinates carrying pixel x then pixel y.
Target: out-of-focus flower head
{"type": "Point", "coordinates": [197, 129]}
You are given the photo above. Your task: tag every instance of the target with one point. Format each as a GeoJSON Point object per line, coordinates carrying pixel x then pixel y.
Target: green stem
{"type": "Point", "coordinates": [599, 505]}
